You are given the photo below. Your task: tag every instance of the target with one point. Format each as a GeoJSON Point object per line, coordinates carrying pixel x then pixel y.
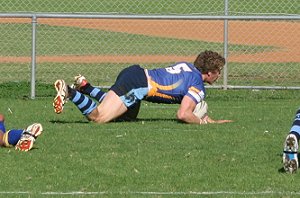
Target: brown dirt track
{"type": "Point", "coordinates": [276, 34]}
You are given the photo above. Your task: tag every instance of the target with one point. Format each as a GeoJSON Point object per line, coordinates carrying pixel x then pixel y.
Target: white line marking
{"type": "Point", "coordinates": [159, 193]}
{"type": "Point", "coordinates": [14, 192]}
{"type": "Point", "coordinates": [75, 193]}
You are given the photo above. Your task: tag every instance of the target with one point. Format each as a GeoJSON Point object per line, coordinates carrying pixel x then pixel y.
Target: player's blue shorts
{"type": "Point", "coordinates": [2, 127]}
{"type": "Point", "coordinates": [131, 85]}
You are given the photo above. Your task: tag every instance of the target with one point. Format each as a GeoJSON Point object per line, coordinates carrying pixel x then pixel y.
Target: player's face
{"type": "Point", "coordinates": [213, 76]}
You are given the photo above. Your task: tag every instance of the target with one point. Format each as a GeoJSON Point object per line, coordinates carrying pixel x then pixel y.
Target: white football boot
{"type": "Point", "coordinates": [29, 136]}
{"type": "Point", "coordinates": [79, 81]}
{"type": "Point", "coordinates": [61, 96]}
{"type": "Point", "coordinates": [290, 154]}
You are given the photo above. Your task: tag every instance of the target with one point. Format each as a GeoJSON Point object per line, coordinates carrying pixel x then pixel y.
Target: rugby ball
{"type": "Point", "coordinates": [201, 109]}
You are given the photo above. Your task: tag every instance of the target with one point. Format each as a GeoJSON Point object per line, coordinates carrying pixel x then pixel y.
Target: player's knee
{"type": "Point", "coordinates": [96, 116]}
{"type": "Point", "coordinates": [180, 115]}
{"type": "Point", "coordinates": [101, 120]}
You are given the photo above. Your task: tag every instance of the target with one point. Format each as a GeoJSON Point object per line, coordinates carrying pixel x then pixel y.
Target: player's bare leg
{"type": "Point", "coordinates": [110, 108]}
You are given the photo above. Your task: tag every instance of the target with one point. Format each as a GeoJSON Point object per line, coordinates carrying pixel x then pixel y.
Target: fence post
{"type": "Point", "coordinates": [225, 71]}
{"type": "Point", "coordinates": [33, 56]}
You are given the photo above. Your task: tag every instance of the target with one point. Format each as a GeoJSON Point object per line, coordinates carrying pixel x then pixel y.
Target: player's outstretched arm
{"type": "Point", "coordinates": [210, 120]}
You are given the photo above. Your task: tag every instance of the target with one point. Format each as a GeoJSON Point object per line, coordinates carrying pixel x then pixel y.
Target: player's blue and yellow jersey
{"type": "Point", "coordinates": [2, 127]}
{"type": "Point", "coordinates": [171, 84]}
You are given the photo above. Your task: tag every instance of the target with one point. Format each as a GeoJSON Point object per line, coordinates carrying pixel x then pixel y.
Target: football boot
{"type": "Point", "coordinates": [290, 154]}
{"type": "Point", "coordinates": [79, 82]}
{"type": "Point", "coordinates": [61, 96]}
{"type": "Point", "coordinates": [28, 137]}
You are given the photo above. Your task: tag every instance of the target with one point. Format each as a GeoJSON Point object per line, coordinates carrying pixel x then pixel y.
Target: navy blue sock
{"type": "Point", "coordinates": [295, 129]}
{"type": "Point", "coordinates": [85, 104]}
{"type": "Point", "coordinates": [2, 127]}
{"type": "Point", "coordinates": [94, 92]}
{"type": "Point", "coordinates": [12, 137]}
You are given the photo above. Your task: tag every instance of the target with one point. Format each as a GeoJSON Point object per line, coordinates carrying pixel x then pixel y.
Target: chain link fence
{"type": "Point", "coordinates": [187, 7]}
{"type": "Point", "coordinates": [70, 37]}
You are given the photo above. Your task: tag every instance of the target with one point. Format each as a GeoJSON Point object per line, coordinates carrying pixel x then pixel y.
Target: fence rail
{"type": "Point", "coordinates": [150, 17]}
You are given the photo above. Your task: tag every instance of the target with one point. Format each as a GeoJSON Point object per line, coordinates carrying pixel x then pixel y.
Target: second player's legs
{"type": "Point", "coordinates": [290, 149]}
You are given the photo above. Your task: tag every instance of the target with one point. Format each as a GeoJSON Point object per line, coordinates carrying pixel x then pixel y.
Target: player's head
{"type": "Point", "coordinates": [209, 61]}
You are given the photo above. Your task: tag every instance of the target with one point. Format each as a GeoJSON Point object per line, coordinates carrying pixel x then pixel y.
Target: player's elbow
{"type": "Point", "coordinates": [181, 116]}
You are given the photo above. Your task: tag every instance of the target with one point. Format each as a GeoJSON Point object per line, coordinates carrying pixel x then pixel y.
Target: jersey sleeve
{"type": "Point", "coordinates": [196, 94]}
{"type": "Point", "coordinates": [196, 89]}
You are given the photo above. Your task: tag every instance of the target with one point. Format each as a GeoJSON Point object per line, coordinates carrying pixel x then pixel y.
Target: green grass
{"type": "Point", "coordinates": [120, 6]}
{"type": "Point", "coordinates": [156, 153]}
{"type": "Point", "coordinates": [154, 6]}
{"type": "Point", "coordinates": [56, 40]}
{"type": "Point", "coordinates": [264, 7]}
{"type": "Point", "coordinates": [258, 74]}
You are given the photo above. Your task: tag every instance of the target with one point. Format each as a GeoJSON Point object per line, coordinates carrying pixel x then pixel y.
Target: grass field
{"type": "Point", "coordinates": [70, 42]}
{"type": "Point", "coordinates": [155, 156]}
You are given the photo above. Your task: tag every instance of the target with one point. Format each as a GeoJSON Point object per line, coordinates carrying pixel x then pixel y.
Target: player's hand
{"type": "Point", "coordinates": [209, 120]}
{"type": "Point", "coordinates": [223, 121]}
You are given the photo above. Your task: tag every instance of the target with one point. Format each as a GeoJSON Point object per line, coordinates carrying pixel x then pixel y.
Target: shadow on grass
{"type": "Point", "coordinates": [148, 120]}
{"type": "Point", "coordinates": [68, 122]}
{"type": "Point", "coordinates": [136, 120]}
{"type": "Point", "coordinates": [281, 170]}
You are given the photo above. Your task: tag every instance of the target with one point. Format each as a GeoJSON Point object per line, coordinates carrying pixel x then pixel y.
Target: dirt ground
{"type": "Point", "coordinates": [282, 35]}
